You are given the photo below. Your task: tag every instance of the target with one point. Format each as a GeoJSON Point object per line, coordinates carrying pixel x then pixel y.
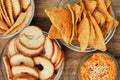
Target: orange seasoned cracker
{"type": "Point", "coordinates": [4, 13]}
{"type": "Point", "coordinates": [54, 33]}
{"type": "Point", "coordinates": [9, 10]}
{"type": "Point", "coordinates": [63, 22]}
{"type": "Point", "coordinates": [83, 33]}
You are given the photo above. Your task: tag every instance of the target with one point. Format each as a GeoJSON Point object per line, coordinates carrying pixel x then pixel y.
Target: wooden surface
{"type": "Point", "coordinates": [73, 58]}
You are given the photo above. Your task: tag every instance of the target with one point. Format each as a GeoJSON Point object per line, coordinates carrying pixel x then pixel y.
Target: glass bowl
{"type": "Point", "coordinates": [87, 57]}
{"type": "Point", "coordinates": [2, 66]}
{"type": "Point", "coordinates": [28, 22]}
{"type": "Point", "coordinates": [74, 45]}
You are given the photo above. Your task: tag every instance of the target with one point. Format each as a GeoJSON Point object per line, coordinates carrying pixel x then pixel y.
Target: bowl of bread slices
{"type": "Point", "coordinates": [15, 15]}
{"type": "Point", "coordinates": [32, 55]}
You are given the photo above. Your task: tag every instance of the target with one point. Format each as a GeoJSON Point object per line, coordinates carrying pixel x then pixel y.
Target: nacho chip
{"type": "Point", "coordinates": [26, 16]}
{"type": "Point", "coordinates": [1, 14]}
{"type": "Point", "coordinates": [90, 5]}
{"type": "Point", "coordinates": [99, 42]}
{"type": "Point", "coordinates": [63, 22]}
{"type": "Point", "coordinates": [2, 31]}
{"type": "Point", "coordinates": [83, 33]}
{"type": "Point", "coordinates": [73, 22]}
{"type": "Point", "coordinates": [4, 13]}
{"type": "Point", "coordinates": [9, 10]}
{"type": "Point", "coordinates": [110, 10]}
{"type": "Point", "coordinates": [54, 33]}
{"type": "Point", "coordinates": [99, 17]}
{"type": "Point", "coordinates": [107, 3]}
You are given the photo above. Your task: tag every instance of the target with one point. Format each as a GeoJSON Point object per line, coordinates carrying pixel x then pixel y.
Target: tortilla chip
{"type": "Point", "coordinates": [26, 16]}
{"type": "Point", "coordinates": [73, 22]}
{"type": "Point", "coordinates": [3, 25]}
{"type": "Point", "coordinates": [2, 31]}
{"type": "Point", "coordinates": [54, 33]}
{"type": "Point", "coordinates": [1, 14]}
{"type": "Point", "coordinates": [62, 19]}
{"type": "Point", "coordinates": [110, 10]}
{"type": "Point", "coordinates": [4, 13]}
{"type": "Point", "coordinates": [99, 17]}
{"type": "Point", "coordinates": [99, 42]}
{"type": "Point", "coordinates": [83, 33]}
{"type": "Point", "coordinates": [90, 5]}
{"type": "Point", "coordinates": [103, 9]}
{"type": "Point", "coordinates": [107, 3]}
{"type": "Point", "coordinates": [9, 10]}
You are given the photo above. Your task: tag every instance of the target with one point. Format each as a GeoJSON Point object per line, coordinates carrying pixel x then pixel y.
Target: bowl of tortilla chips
{"type": "Point", "coordinates": [15, 15]}
{"type": "Point", "coordinates": [83, 26]}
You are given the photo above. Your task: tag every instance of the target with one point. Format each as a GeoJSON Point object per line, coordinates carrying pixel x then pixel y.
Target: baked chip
{"type": "Point", "coordinates": [99, 42]}
{"type": "Point", "coordinates": [83, 32]}
{"type": "Point", "coordinates": [54, 33]}
{"type": "Point", "coordinates": [62, 19]}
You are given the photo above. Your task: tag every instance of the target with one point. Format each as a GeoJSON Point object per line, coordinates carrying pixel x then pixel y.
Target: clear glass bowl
{"type": "Point", "coordinates": [3, 70]}
{"type": "Point", "coordinates": [88, 55]}
{"type": "Point", "coordinates": [74, 45]}
{"type": "Point", "coordinates": [29, 21]}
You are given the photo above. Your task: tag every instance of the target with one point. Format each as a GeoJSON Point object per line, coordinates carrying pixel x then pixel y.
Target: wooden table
{"type": "Point", "coordinates": [72, 58]}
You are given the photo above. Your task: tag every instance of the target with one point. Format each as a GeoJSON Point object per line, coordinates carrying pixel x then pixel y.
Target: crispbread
{"type": "Point", "coordinates": [62, 22]}
{"type": "Point", "coordinates": [19, 58]}
{"type": "Point", "coordinates": [48, 68]}
{"type": "Point", "coordinates": [9, 10]}
{"type": "Point", "coordinates": [48, 47]}
{"type": "Point", "coordinates": [24, 69]}
{"type": "Point", "coordinates": [16, 8]}
{"type": "Point", "coordinates": [24, 4]}
{"type": "Point", "coordinates": [32, 37]}
{"type": "Point", "coordinates": [3, 25]}
{"type": "Point", "coordinates": [7, 67]}
{"type": "Point", "coordinates": [4, 13]}
{"type": "Point", "coordinates": [24, 76]}
{"type": "Point", "coordinates": [28, 52]}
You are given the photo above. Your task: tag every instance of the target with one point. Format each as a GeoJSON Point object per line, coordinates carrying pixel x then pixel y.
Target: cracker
{"type": "Point", "coordinates": [4, 13]}
{"type": "Point", "coordinates": [54, 33]}
{"type": "Point", "coordinates": [26, 17]}
{"type": "Point", "coordinates": [62, 22]}
{"type": "Point", "coordinates": [24, 4]}
{"type": "Point", "coordinates": [8, 5]}
{"type": "Point", "coordinates": [3, 25]}
{"type": "Point", "coordinates": [83, 32]}
{"type": "Point", "coordinates": [16, 8]}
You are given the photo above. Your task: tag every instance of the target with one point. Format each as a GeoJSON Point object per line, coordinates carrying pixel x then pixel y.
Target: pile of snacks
{"type": "Point", "coordinates": [32, 55]}
{"type": "Point", "coordinates": [87, 21]}
{"type": "Point", "coordinates": [99, 66]}
{"type": "Point", "coordinates": [14, 14]}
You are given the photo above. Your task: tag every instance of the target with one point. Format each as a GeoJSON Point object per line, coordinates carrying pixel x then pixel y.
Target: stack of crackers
{"type": "Point", "coordinates": [87, 21]}
{"type": "Point", "coordinates": [14, 14]}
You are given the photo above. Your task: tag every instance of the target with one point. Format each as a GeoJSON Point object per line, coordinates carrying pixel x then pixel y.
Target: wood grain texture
{"type": "Point", "coordinates": [73, 58]}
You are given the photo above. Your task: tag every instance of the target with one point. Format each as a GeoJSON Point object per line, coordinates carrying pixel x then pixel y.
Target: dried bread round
{"type": "Point", "coordinates": [19, 58]}
{"type": "Point", "coordinates": [48, 47]}
{"type": "Point", "coordinates": [11, 49]}
{"type": "Point", "coordinates": [24, 69]}
{"type": "Point", "coordinates": [28, 52]}
{"type": "Point", "coordinates": [24, 76]}
{"type": "Point", "coordinates": [48, 68]}
{"type": "Point", "coordinates": [32, 37]}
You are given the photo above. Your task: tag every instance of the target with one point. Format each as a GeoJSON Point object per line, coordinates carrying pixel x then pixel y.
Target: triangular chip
{"type": "Point", "coordinates": [62, 19]}
{"type": "Point", "coordinates": [54, 33]}
{"type": "Point", "coordinates": [90, 5]}
{"type": "Point", "coordinates": [3, 25]}
{"type": "Point", "coordinates": [110, 10]}
{"type": "Point", "coordinates": [83, 33]}
{"type": "Point", "coordinates": [107, 3]}
{"type": "Point", "coordinates": [99, 42]}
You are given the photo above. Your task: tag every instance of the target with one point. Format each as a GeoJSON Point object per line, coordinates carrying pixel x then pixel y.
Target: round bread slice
{"type": "Point", "coordinates": [48, 68]}
{"type": "Point", "coordinates": [24, 76]}
{"type": "Point", "coordinates": [19, 58]}
{"type": "Point", "coordinates": [24, 69]}
{"type": "Point", "coordinates": [48, 47]}
{"type": "Point", "coordinates": [32, 37]}
{"type": "Point", "coordinates": [28, 52]}
{"type": "Point", "coordinates": [55, 53]}
{"type": "Point", "coordinates": [11, 49]}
